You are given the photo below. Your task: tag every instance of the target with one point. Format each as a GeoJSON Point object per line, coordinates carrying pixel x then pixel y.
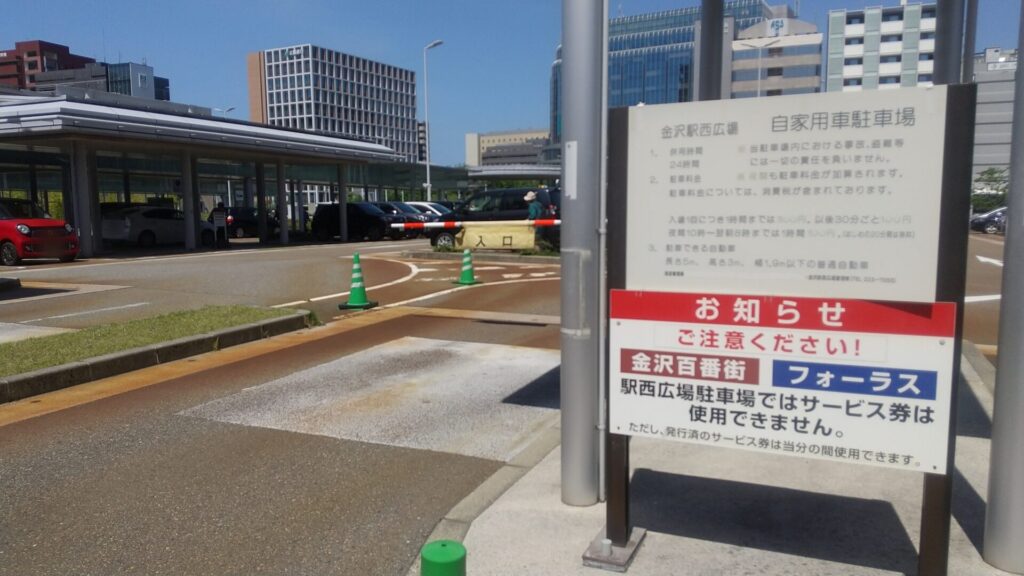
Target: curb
{"type": "Point", "coordinates": [976, 368]}
{"type": "Point", "coordinates": [20, 386]}
{"type": "Point", "coordinates": [9, 284]}
{"type": "Point", "coordinates": [455, 524]}
{"type": "Point", "coordinates": [482, 257]}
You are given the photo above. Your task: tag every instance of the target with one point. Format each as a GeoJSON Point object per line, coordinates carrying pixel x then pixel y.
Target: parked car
{"type": "Point", "coordinates": [150, 225]}
{"type": "Point", "coordinates": [363, 218]}
{"type": "Point", "coordinates": [990, 222]}
{"type": "Point", "coordinates": [498, 204]}
{"type": "Point", "coordinates": [432, 207]}
{"type": "Point", "coordinates": [26, 231]}
{"type": "Point", "coordinates": [242, 222]}
{"type": "Point", "coordinates": [410, 213]}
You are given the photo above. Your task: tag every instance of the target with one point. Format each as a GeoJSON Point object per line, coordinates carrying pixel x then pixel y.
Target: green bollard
{"type": "Point", "coordinates": [443, 558]}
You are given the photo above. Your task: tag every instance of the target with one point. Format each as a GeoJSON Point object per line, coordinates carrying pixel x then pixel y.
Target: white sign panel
{"type": "Point", "coordinates": [811, 195]}
{"type": "Point", "coordinates": [842, 380]}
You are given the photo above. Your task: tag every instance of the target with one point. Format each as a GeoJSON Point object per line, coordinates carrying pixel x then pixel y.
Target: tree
{"type": "Point", "coordinates": [990, 187]}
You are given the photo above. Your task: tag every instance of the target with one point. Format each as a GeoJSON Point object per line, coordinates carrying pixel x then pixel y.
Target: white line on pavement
{"type": "Point", "coordinates": [97, 311]}
{"type": "Point", "coordinates": [988, 298]}
{"type": "Point", "coordinates": [985, 260]}
{"type": "Point", "coordinates": [413, 272]}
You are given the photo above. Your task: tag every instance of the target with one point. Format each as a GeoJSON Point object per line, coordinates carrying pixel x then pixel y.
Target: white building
{"type": "Point", "coordinates": [878, 48]}
{"type": "Point", "coordinates": [320, 90]}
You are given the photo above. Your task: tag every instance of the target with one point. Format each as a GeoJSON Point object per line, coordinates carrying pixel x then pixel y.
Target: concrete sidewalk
{"type": "Point", "coordinates": [729, 512]}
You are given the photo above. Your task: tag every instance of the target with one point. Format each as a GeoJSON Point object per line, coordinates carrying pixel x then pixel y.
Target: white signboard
{"type": "Point", "coordinates": [812, 195]}
{"type": "Point", "coordinates": [833, 379]}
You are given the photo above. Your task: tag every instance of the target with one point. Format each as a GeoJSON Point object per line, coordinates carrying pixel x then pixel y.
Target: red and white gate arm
{"type": "Point", "coordinates": [539, 223]}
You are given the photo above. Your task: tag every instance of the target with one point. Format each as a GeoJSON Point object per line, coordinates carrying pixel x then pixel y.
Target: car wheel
{"type": "Point", "coordinates": [65, 259]}
{"type": "Point", "coordinates": [375, 234]}
{"type": "Point", "coordinates": [206, 238]}
{"type": "Point", "coordinates": [239, 232]}
{"type": "Point", "coordinates": [9, 254]}
{"type": "Point", "coordinates": [147, 239]}
{"type": "Point", "coordinates": [445, 240]}
{"type": "Point", "coordinates": [991, 228]}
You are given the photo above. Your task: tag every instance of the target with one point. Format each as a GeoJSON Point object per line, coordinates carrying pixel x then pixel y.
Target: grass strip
{"type": "Point", "coordinates": [31, 354]}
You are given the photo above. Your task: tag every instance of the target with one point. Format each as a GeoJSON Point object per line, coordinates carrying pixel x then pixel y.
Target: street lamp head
{"type": "Point", "coordinates": [433, 44]}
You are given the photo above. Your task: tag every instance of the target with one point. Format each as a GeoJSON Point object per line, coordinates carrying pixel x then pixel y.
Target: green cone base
{"type": "Point", "coordinates": [467, 282]}
{"type": "Point", "coordinates": [364, 306]}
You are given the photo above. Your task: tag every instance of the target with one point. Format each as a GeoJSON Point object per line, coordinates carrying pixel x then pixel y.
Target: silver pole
{"type": "Point", "coordinates": [602, 232]}
{"type": "Point", "coordinates": [582, 60]}
{"type": "Point", "coordinates": [1004, 518]}
{"type": "Point", "coordinates": [970, 31]}
{"type": "Point", "coordinates": [949, 39]}
{"type": "Point", "coordinates": [426, 109]}
{"type": "Point", "coordinates": [711, 22]}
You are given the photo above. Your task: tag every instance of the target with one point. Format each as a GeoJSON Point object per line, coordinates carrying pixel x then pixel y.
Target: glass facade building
{"type": "Point", "coordinates": [651, 56]}
{"type": "Point", "coordinates": [316, 89]}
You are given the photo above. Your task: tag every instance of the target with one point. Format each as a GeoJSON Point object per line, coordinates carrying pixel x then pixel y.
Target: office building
{"type": "Point", "coordinates": [995, 71]}
{"type": "Point", "coordinates": [311, 88]}
{"type": "Point", "coordinates": [511, 147]}
{"type": "Point", "coordinates": [878, 48]}
{"type": "Point", "coordinates": [20, 65]}
{"type": "Point", "coordinates": [652, 58]}
{"type": "Point", "coordinates": [127, 78]}
{"type": "Point", "coordinates": [776, 57]}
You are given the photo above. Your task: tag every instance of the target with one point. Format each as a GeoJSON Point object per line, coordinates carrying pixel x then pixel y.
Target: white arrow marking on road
{"type": "Point", "coordinates": [990, 261]}
{"type": "Point", "coordinates": [136, 305]}
{"type": "Point", "coordinates": [509, 276]}
{"type": "Point", "coordinates": [988, 298]}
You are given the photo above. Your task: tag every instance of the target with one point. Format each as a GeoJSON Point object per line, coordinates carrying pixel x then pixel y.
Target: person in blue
{"type": "Point", "coordinates": [536, 211]}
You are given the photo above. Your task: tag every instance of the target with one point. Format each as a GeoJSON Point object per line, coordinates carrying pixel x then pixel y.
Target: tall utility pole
{"type": "Point", "coordinates": [583, 48]}
{"type": "Point", "coordinates": [426, 111]}
{"type": "Point", "coordinates": [1004, 515]}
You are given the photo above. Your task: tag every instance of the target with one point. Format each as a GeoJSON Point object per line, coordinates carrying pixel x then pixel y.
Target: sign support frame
{"type": "Point", "coordinates": [936, 505]}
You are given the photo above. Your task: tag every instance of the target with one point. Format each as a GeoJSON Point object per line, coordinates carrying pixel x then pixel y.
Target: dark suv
{"type": "Point", "coordinates": [364, 221]}
{"type": "Point", "coordinates": [242, 222]}
{"type": "Point", "coordinates": [498, 204]}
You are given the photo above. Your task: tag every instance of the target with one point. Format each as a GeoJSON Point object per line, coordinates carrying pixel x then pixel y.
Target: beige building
{"type": "Point", "coordinates": [481, 147]}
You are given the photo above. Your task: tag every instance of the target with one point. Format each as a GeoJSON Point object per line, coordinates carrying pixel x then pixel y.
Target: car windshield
{"type": "Point", "coordinates": [11, 209]}
{"type": "Point", "coordinates": [405, 208]}
{"type": "Point", "coordinates": [441, 208]}
{"type": "Point", "coordinates": [370, 209]}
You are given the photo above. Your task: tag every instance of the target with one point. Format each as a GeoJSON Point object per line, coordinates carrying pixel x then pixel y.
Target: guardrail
{"type": "Point", "coordinates": [539, 223]}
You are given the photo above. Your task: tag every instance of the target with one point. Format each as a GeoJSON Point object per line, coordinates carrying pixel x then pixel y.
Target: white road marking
{"type": "Point", "coordinates": [87, 312]}
{"type": "Point", "coordinates": [540, 274]}
{"type": "Point", "coordinates": [458, 288]}
{"type": "Point", "coordinates": [510, 276]}
{"type": "Point", "coordinates": [490, 268]}
{"type": "Point", "coordinates": [232, 253]}
{"type": "Point", "coordinates": [413, 272]}
{"type": "Point", "coordinates": [985, 260]}
{"type": "Point", "coordinates": [988, 298]}
{"type": "Point", "coordinates": [66, 290]}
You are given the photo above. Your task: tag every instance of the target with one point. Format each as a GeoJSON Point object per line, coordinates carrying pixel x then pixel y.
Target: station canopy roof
{"type": "Point", "coordinates": [111, 117]}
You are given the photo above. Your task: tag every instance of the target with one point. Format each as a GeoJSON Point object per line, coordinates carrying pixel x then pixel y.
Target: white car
{"type": "Point", "coordinates": [151, 225]}
{"type": "Point", "coordinates": [431, 207]}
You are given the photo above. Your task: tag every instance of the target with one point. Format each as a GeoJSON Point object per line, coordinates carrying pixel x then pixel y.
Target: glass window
{"type": "Point", "coordinates": [852, 82]}
{"type": "Point", "coordinates": [924, 78]}
{"type": "Point", "coordinates": [892, 38]}
{"type": "Point", "coordinates": [853, 62]}
{"type": "Point", "coordinates": [926, 56]}
{"type": "Point", "coordinates": [889, 80]}
{"type": "Point", "coordinates": [854, 41]}
{"type": "Point", "coordinates": [890, 59]}
{"type": "Point", "coordinates": [855, 19]}
{"type": "Point", "coordinates": [927, 35]}
{"type": "Point", "coordinates": [892, 16]}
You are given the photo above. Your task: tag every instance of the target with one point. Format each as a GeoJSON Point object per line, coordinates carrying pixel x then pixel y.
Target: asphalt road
{"type": "Point", "coordinates": [331, 451]}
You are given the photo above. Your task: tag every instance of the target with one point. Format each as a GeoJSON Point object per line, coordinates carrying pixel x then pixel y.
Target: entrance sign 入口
{"type": "Point", "coordinates": [841, 380]}
{"type": "Point", "coordinates": [821, 194]}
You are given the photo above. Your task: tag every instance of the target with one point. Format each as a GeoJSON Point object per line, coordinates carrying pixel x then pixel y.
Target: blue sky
{"type": "Point", "coordinates": [491, 74]}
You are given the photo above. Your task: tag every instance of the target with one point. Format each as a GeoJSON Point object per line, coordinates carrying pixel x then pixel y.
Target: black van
{"type": "Point", "coordinates": [497, 204]}
{"type": "Point", "coordinates": [364, 221]}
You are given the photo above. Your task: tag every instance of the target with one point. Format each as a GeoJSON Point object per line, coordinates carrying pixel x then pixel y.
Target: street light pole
{"type": "Point", "coordinates": [426, 110]}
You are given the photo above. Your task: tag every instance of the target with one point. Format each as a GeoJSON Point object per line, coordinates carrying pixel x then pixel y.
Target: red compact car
{"type": "Point", "coordinates": [28, 232]}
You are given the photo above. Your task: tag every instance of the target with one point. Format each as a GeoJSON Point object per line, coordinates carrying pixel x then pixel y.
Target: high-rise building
{"type": "Point", "coordinates": [880, 47]}
{"type": "Point", "coordinates": [776, 57]}
{"type": "Point", "coordinates": [317, 89]}
{"type": "Point", "coordinates": [20, 65]}
{"type": "Point", "coordinates": [995, 72]}
{"type": "Point", "coordinates": [652, 57]}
